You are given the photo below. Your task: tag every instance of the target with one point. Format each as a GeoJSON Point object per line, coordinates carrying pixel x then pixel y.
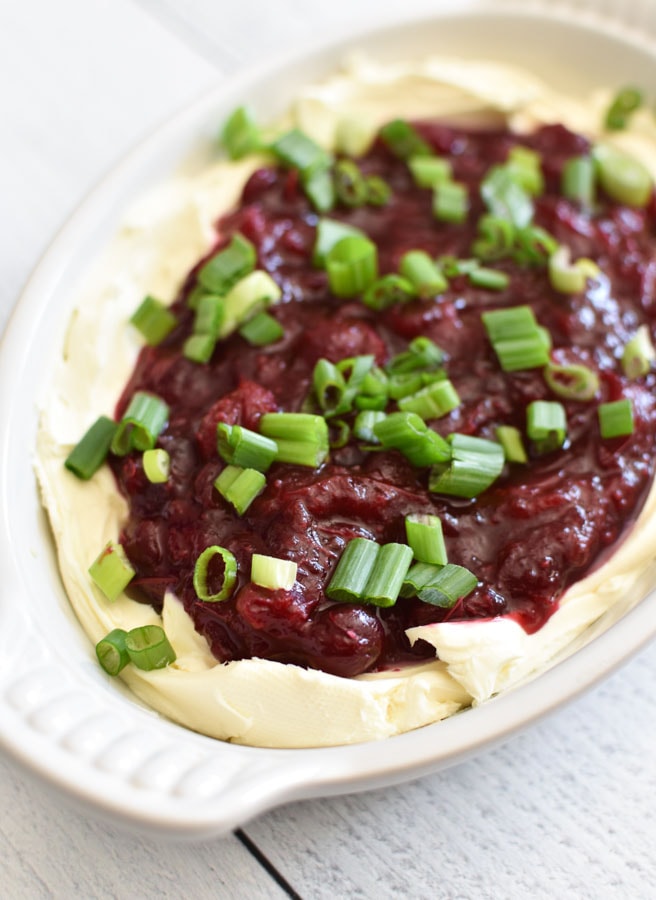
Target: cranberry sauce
{"type": "Point", "coordinates": [527, 538]}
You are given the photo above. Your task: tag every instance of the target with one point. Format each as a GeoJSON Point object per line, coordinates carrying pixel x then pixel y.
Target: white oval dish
{"type": "Point", "coordinates": [58, 714]}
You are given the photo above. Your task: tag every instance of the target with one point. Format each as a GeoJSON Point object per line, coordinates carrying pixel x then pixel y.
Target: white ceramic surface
{"type": "Point", "coordinates": [57, 712]}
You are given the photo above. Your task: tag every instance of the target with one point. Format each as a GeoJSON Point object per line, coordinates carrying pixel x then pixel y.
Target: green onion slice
{"type": "Point", "coordinates": [511, 441]}
{"type": "Point", "coordinates": [378, 191]}
{"type": "Point", "coordinates": [639, 354]}
{"type": "Point", "coordinates": [424, 535]}
{"type": "Point", "coordinates": [210, 313]}
{"type": "Point", "coordinates": [203, 576]}
{"type": "Point", "coordinates": [242, 447]}
{"type": "Point", "coordinates": [227, 266]}
{"type": "Point", "coordinates": [329, 233]}
{"type": "Point", "coordinates": [91, 451]}
{"type": "Point", "coordinates": [262, 330]}
{"type": "Point", "coordinates": [142, 424]}
{"type": "Point", "coordinates": [298, 151]}
{"type": "Point", "coordinates": [199, 347]}
{"type": "Point", "coordinates": [149, 648]}
{"type": "Point", "coordinates": [625, 102]}
{"type": "Point", "coordinates": [156, 465]}
{"type": "Point", "coordinates": [439, 585]}
{"type": "Point", "coordinates": [353, 569]}
{"type": "Point", "coordinates": [302, 438]}
{"type": "Point", "coordinates": [387, 291]}
{"type": "Point", "coordinates": [240, 486]}
{"type": "Point", "coordinates": [273, 573]}
{"type": "Point", "coordinates": [329, 385]}
{"type": "Point", "coordinates": [428, 171]}
{"type": "Point", "coordinates": [505, 197]}
{"type": "Point", "coordinates": [112, 653]}
{"type": "Point", "coordinates": [616, 418]}
{"type": "Point", "coordinates": [422, 354]}
{"type": "Point", "coordinates": [403, 140]}
{"type": "Point", "coordinates": [578, 180]}
{"type": "Point", "coordinates": [623, 178]}
{"type": "Point", "coordinates": [422, 272]}
{"type": "Point", "coordinates": [387, 576]}
{"type": "Point", "coordinates": [533, 246]}
{"type": "Point", "coordinates": [516, 337]}
{"type": "Point", "coordinates": [365, 423]}
{"type": "Point", "coordinates": [154, 320]}
{"type": "Point", "coordinates": [408, 433]}
{"type": "Point", "coordinates": [525, 166]}
{"type": "Point", "coordinates": [570, 277]}
{"type": "Point", "coordinates": [475, 463]}
{"type": "Point", "coordinates": [111, 570]}
{"type": "Point", "coordinates": [241, 135]}
{"type": "Point", "coordinates": [319, 188]}
{"type": "Point", "coordinates": [350, 184]}
{"type": "Point", "coordinates": [450, 202]}
{"type": "Point", "coordinates": [496, 238]}
{"type": "Point", "coordinates": [490, 279]}
{"type": "Point", "coordinates": [352, 265]}
{"type": "Point", "coordinates": [546, 425]}
{"type": "Point", "coordinates": [433, 401]}
{"type": "Point", "coordinates": [573, 382]}
{"type": "Point", "coordinates": [246, 298]}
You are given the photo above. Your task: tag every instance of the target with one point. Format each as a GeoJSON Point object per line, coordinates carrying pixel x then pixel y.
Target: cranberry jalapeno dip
{"type": "Point", "coordinates": [431, 360]}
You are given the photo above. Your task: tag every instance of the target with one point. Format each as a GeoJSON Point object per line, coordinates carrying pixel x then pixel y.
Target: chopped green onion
{"type": "Point", "coordinates": [210, 313]}
{"type": "Point", "coordinates": [227, 266]}
{"type": "Point", "coordinates": [615, 418]}
{"type": "Point", "coordinates": [387, 291]}
{"type": "Point", "coordinates": [491, 279]}
{"type": "Point", "coordinates": [422, 354]}
{"type": "Point", "coordinates": [405, 384]}
{"type": "Point", "coordinates": [329, 233]}
{"type": "Point", "coordinates": [242, 447]}
{"type": "Point", "coordinates": [194, 296]}
{"type": "Point", "coordinates": [623, 178]}
{"type": "Point", "coordinates": [570, 277]}
{"type": "Point", "coordinates": [625, 102]}
{"type": "Point", "coordinates": [154, 320]}
{"type": "Point", "coordinates": [639, 354]}
{"type": "Point", "coordinates": [245, 299]}
{"type": "Point", "coordinates": [422, 273]}
{"type": "Point", "coordinates": [354, 369]}
{"type": "Point", "coordinates": [533, 246]}
{"type": "Point", "coordinates": [203, 576]}
{"type": "Point", "coordinates": [474, 465]}
{"type": "Point", "coordinates": [340, 433]}
{"type": "Point", "coordinates": [350, 185]}
{"type": "Point", "coordinates": [365, 423]}
{"type": "Point", "coordinates": [408, 433]}
{"type": "Point", "coordinates": [403, 140]}
{"type": "Point", "coordinates": [273, 573]}
{"type": "Point", "coordinates": [352, 265]}
{"type": "Point", "coordinates": [319, 188]}
{"type": "Point", "coordinates": [298, 151]}
{"type": "Point", "coordinates": [433, 401]}
{"type": "Point", "coordinates": [516, 338]}
{"type": "Point", "coordinates": [141, 425]}
{"type": "Point", "coordinates": [427, 171]}
{"type": "Point", "coordinates": [111, 570]}
{"type": "Point", "coordinates": [525, 167]}
{"type": "Point", "coordinates": [452, 266]}
{"type": "Point", "coordinates": [510, 439]}
{"type": "Point", "coordinates": [149, 648]}
{"type": "Point", "coordinates": [262, 330]}
{"type": "Point", "coordinates": [424, 535]}
{"type": "Point", "coordinates": [199, 347]}
{"type": "Point", "coordinates": [374, 384]}
{"type": "Point", "coordinates": [496, 238]}
{"type": "Point", "coordinates": [302, 438]}
{"type": "Point", "coordinates": [546, 424]}
{"type": "Point", "coordinates": [353, 569]}
{"type": "Point", "coordinates": [378, 190]}
{"type": "Point", "coordinates": [505, 198]}
{"type": "Point", "coordinates": [156, 465]}
{"type": "Point", "coordinates": [112, 653]}
{"type": "Point", "coordinates": [329, 384]}
{"type": "Point", "coordinates": [578, 180]}
{"type": "Point", "coordinates": [241, 135]}
{"type": "Point", "coordinates": [240, 486]}
{"type": "Point", "coordinates": [573, 382]}
{"type": "Point", "coordinates": [450, 202]}
{"type": "Point", "coordinates": [389, 571]}
{"type": "Point", "coordinates": [91, 451]}
{"type": "Point", "coordinates": [439, 585]}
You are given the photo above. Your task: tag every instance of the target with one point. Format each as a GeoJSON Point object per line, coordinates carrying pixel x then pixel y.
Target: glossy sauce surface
{"type": "Point", "coordinates": [535, 531]}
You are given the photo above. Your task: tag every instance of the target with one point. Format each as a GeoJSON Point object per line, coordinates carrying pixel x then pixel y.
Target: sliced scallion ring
{"type": "Point", "coordinates": [273, 573]}
{"type": "Point", "coordinates": [156, 465]}
{"type": "Point", "coordinates": [624, 103]}
{"type": "Point", "coordinates": [353, 569]}
{"type": "Point", "coordinates": [154, 320]}
{"type": "Point", "coordinates": [240, 486]}
{"type": "Point", "coordinates": [149, 648]}
{"type": "Point", "coordinates": [625, 179]}
{"type": "Point", "coordinates": [203, 576]}
{"type": "Point", "coordinates": [240, 134]}
{"type": "Point", "coordinates": [242, 447]}
{"type": "Point", "coordinates": [573, 382]}
{"type": "Point", "coordinates": [404, 140]}
{"type": "Point", "coordinates": [112, 653]}
{"type": "Point", "coordinates": [386, 577]}
{"type": "Point", "coordinates": [424, 535]}
{"type": "Point", "coordinates": [91, 451]}
{"type": "Point", "coordinates": [422, 273]}
{"type": "Point", "coordinates": [227, 266]}
{"type": "Point", "coordinates": [474, 464]}
{"type": "Point", "coordinates": [616, 418]}
{"type": "Point", "coordinates": [352, 265]}
{"type": "Point", "coordinates": [111, 570]}
{"type": "Point", "coordinates": [510, 439]}
{"type": "Point", "coordinates": [141, 425]}
{"type": "Point", "coordinates": [639, 354]}
{"type": "Point", "coordinates": [546, 425]}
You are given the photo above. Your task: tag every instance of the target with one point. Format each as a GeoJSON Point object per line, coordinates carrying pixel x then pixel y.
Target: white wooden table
{"type": "Point", "coordinates": [567, 810]}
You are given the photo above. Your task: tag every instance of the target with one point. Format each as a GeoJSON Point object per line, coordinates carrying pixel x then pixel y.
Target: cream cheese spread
{"type": "Point", "coordinates": [256, 701]}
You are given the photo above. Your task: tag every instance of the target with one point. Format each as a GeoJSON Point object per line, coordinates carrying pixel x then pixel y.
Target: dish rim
{"type": "Point", "coordinates": [276, 775]}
